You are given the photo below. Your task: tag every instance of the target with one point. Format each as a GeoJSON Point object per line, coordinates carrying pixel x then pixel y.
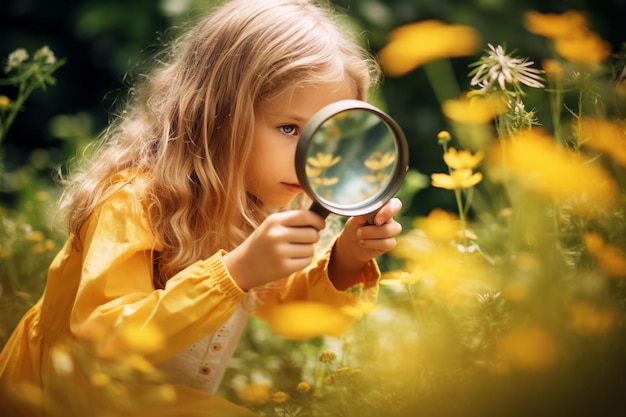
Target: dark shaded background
{"type": "Point", "coordinates": [104, 40]}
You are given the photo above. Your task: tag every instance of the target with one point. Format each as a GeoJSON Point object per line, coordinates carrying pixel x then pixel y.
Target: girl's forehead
{"type": "Point", "coordinates": [303, 89]}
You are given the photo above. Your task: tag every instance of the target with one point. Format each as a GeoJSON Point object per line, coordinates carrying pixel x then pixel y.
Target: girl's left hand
{"type": "Point", "coordinates": [363, 241]}
{"type": "Point", "coordinates": [360, 242]}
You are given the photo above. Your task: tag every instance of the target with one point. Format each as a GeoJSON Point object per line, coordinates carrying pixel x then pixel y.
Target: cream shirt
{"type": "Point", "coordinates": [202, 365]}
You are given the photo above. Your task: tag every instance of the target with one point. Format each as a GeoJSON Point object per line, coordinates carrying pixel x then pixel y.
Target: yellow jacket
{"type": "Point", "coordinates": [95, 290]}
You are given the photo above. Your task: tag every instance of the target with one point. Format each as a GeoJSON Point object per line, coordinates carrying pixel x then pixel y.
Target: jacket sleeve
{"type": "Point", "coordinates": [314, 284]}
{"type": "Point", "coordinates": [116, 284]}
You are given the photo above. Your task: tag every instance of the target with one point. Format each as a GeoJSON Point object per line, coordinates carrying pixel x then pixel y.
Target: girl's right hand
{"type": "Point", "coordinates": [283, 244]}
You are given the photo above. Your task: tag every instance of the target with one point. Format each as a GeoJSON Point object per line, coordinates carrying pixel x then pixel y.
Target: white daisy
{"type": "Point", "coordinates": [499, 70]}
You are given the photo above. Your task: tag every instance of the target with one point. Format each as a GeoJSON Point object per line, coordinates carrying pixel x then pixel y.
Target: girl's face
{"type": "Point", "coordinates": [271, 174]}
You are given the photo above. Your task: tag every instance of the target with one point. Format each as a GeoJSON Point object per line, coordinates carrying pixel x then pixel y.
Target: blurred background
{"type": "Point", "coordinates": [104, 41]}
{"type": "Point", "coordinates": [527, 319]}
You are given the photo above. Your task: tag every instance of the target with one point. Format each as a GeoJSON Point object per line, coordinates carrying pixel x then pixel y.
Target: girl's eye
{"type": "Point", "coordinates": [289, 130]}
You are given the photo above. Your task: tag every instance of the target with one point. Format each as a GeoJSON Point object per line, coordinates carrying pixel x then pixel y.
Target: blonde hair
{"type": "Point", "coordinates": [188, 126]}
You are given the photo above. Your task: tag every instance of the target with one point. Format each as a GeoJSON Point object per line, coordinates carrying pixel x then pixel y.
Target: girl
{"type": "Point", "coordinates": [182, 221]}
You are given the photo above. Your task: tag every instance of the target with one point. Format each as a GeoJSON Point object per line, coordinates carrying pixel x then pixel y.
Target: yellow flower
{"type": "Point", "coordinates": [361, 309]}
{"type": "Point", "coordinates": [605, 136]}
{"type": "Point", "coordinates": [588, 49]}
{"type": "Point", "coordinates": [535, 161]}
{"type": "Point", "coordinates": [610, 259]}
{"type": "Point", "coordinates": [443, 137]}
{"type": "Point", "coordinates": [4, 103]}
{"type": "Point", "coordinates": [303, 387]}
{"type": "Point", "coordinates": [313, 172]}
{"type": "Point", "coordinates": [323, 160]}
{"type": "Point", "coordinates": [458, 178]}
{"type": "Point", "coordinates": [100, 379]}
{"type": "Point", "coordinates": [324, 182]}
{"type": "Point", "coordinates": [35, 236]}
{"type": "Point", "coordinates": [553, 69]}
{"type": "Point", "coordinates": [306, 319]}
{"type": "Point", "coordinates": [168, 393]}
{"type": "Point", "coordinates": [416, 44]}
{"type": "Point", "coordinates": [142, 339]}
{"type": "Point", "coordinates": [571, 36]}
{"type": "Point", "coordinates": [42, 196]}
{"type": "Point", "coordinates": [390, 278]}
{"type": "Point", "coordinates": [139, 363]}
{"type": "Point", "coordinates": [442, 269]}
{"type": "Point", "coordinates": [555, 26]}
{"type": "Point", "coordinates": [48, 244]}
{"type": "Point", "coordinates": [379, 161]}
{"type": "Point", "coordinates": [256, 394]}
{"type": "Point", "coordinates": [472, 109]}
{"type": "Point", "coordinates": [530, 348]}
{"type": "Point", "coordinates": [280, 397]}
{"type": "Point", "coordinates": [462, 159]}
{"type": "Point", "coordinates": [589, 319]}
{"type": "Point", "coordinates": [439, 225]}
{"type": "Point", "coordinates": [37, 248]}
{"type": "Point", "coordinates": [327, 356]}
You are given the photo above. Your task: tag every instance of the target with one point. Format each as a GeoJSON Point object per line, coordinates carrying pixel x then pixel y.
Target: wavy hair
{"type": "Point", "coordinates": [187, 127]}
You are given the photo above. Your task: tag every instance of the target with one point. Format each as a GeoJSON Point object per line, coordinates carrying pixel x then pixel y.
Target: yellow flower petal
{"type": "Point", "coordinates": [256, 394]}
{"type": "Point", "coordinates": [325, 182]}
{"type": "Point", "coordinates": [462, 159]}
{"type": "Point", "coordinates": [323, 160]}
{"type": "Point", "coordinates": [608, 136]}
{"type": "Point", "coordinates": [379, 161]}
{"type": "Point", "coordinates": [475, 109]}
{"type": "Point", "coordinates": [439, 225]}
{"type": "Point", "coordinates": [610, 259]}
{"type": "Point", "coordinates": [443, 181]}
{"type": "Point", "coordinates": [555, 26]}
{"type": "Point", "coordinates": [304, 319]}
{"type": "Point", "coordinates": [536, 162]}
{"type": "Point", "coordinates": [459, 178]}
{"type": "Point", "coordinates": [142, 339]}
{"type": "Point", "coordinates": [589, 49]}
{"type": "Point", "coordinates": [416, 44]}
{"type": "Point", "coordinates": [530, 348]}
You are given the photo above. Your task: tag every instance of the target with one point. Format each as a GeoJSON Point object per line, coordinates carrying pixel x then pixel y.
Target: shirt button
{"type": "Point", "coordinates": [205, 370]}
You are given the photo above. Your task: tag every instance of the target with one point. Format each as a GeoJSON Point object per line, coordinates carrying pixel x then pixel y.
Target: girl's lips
{"type": "Point", "coordinates": [294, 188]}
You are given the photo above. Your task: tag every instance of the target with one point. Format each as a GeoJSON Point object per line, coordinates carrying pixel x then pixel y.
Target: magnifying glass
{"type": "Point", "coordinates": [351, 158]}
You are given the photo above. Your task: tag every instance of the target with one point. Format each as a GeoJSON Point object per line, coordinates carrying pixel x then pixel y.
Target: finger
{"type": "Point", "coordinates": [380, 245]}
{"type": "Point", "coordinates": [388, 210]}
{"type": "Point", "coordinates": [303, 235]}
{"type": "Point", "coordinates": [300, 251]}
{"type": "Point", "coordinates": [302, 218]}
{"type": "Point", "coordinates": [390, 229]}
{"type": "Point", "coordinates": [297, 264]}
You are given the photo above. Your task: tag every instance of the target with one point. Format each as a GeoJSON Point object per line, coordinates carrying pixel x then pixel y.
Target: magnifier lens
{"type": "Point", "coordinates": [351, 159]}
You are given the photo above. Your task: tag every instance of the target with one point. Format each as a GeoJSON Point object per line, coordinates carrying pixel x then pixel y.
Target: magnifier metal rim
{"type": "Point", "coordinates": [304, 143]}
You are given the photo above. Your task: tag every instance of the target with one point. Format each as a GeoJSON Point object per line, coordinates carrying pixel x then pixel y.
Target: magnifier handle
{"type": "Point", "coordinates": [370, 217]}
{"type": "Point", "coordinates": [316, 208]}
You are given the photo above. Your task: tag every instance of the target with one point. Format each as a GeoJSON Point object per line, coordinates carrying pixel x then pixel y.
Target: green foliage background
{"type": "Point", "coordinates": [104, 41]}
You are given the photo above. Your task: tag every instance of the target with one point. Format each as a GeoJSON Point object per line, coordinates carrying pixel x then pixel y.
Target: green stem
{"type": "Point", "coordinates": [24, 92]}
{"type": "Point", "coordinates": [556, 102]}
{"type": "Point", "coordinates": [462, 216]}
{"type": "Point", "coordinates": [442, 80]}
{"type": "Point", "coordinates": [579, 116]}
